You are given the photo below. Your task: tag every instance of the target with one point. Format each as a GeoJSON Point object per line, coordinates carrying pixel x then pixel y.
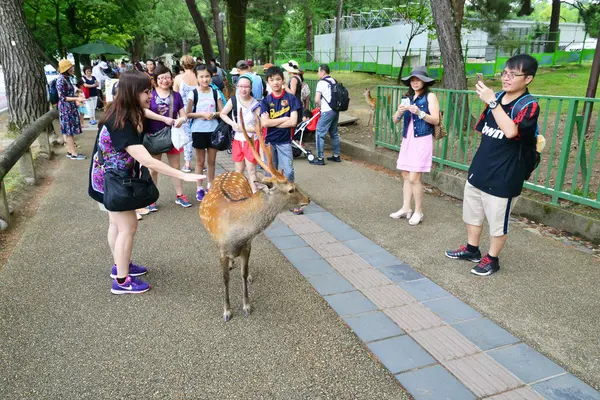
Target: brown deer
{"type": "Point", "coordinates": [372, 101]}
{"type": "Point", "coordinates": [233, 215]}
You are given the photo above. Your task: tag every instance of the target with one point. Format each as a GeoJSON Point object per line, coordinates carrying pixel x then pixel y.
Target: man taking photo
{"type": "Point", "coordinates": [504, 160]}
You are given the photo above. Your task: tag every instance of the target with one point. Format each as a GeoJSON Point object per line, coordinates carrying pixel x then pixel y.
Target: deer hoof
{"type": "Point", "coordinates": [246, 311]}
{"type": "Point", "coordinates": [227, 316]}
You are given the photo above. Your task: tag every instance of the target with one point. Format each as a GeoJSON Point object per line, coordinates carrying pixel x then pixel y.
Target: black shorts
{"type": "Point", "coordinates": [201, 140]}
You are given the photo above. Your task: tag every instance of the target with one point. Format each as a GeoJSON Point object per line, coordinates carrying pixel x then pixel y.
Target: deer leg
{"type": "Point", "coordinates": [225, 269]}
{"type": "Point", "coordinates": [246, 279]}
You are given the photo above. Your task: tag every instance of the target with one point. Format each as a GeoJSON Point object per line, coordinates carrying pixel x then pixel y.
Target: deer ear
{"type": "Point", "coordinates": [264, 185]}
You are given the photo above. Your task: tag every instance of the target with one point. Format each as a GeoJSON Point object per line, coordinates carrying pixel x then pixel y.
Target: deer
{"type": "Point", "coordinates": [372, 101]}
{"type": "Point", "coordinates": [233, 215]}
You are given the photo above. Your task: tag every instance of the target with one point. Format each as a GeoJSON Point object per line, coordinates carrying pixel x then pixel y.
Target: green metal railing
{"type": "Point", "coordinates": [571, 125]}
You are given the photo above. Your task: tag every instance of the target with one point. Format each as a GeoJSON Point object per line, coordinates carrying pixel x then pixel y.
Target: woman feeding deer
{"type": "Point", "coordinates": [120, 160]}
{"type": "Point", "coordinates": [420, 110]}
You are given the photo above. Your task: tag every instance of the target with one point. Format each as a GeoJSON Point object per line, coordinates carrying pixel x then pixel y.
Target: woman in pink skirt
{"type": "Point", "coordinates": [420, 110]}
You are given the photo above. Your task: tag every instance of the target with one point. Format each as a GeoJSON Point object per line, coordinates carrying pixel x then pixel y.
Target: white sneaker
{"type": "Point", "coordinates": [401, 213]}
{"type": "Point", "coordinates": [415, 219]}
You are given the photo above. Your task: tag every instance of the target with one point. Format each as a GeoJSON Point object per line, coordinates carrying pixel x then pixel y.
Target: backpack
{"type": "Point", "coordinates": [53, 92]}
{"type": "Point", "coordinates": [531, 160]}
{"type": "Point", "coordinates": [265, 91]}
{"type": "Point", "coordinates": [339, 96]}
{"type": "Point", "coordinates": [221, 95]}
{"type": "Point", "coordinates": [305, 93]}
{"type": "Point", "coordinates": [215, 94]}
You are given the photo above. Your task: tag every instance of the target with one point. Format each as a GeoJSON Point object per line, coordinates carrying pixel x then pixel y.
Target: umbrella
{"type": "Point", "coordinates": [98, 47]}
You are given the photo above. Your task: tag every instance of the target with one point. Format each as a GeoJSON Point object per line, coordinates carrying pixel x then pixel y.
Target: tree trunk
{"type": "Point", "coordinates": [85, 59]}
{"type": "Point", "coordinates": [459, 12]}
{"type": "Point", "coordinates": [404, 60]}
{"type": "Point", "coordinates": [236, 13]}
{"type": "Point", "coordinates": [77, 66]}
{"type": "Point", "coordinates": [525, 9]}
{"type": "Point", "coordinates": [202, 30]}
{"type": "Point", "coordinates": [184, 47]}
{"type": "Point", "coordinates": [25, 79]}
{"type": "Point", "coordinates": [218, 24]}
{"type": "Point", "coordinates": [309, 32]}
{"type": "Point", "coordinates": [450, 47]}
{"type": "Point", "coordinates": [338, 27]}
{"type": "Point", "coordinates": [553, 29]}
{"type": "Point", "coordinates": [56, 24]}
{"type": "Point", "coordinates": [592, 84]}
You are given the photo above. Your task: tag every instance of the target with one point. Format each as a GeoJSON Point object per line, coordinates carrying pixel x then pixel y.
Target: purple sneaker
{"type": "Point", "coordinates": [200, 193]}
{"type": "Point", "coordinates": [134, 270]}
{"type": "Point", "coordinates": [130, 286]}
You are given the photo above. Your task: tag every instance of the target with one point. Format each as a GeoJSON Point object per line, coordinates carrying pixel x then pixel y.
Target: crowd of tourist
{"type": "Point", "coordinates": [152, 98]}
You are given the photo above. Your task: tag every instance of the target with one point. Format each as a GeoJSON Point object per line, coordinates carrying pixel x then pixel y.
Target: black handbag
{"type": "Point", "coordinates": [160, 142]}
{"type": "Point", "coordinates": [123, 192]}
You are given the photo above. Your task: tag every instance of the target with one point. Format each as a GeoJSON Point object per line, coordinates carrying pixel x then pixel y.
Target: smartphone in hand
{"type": "Point", "coordinates": [405, 101]}
{"type": "Point", "coordinates": [479, 76]}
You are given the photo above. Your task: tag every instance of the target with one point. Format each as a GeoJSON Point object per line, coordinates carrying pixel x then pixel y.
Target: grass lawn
{"type": "Point", "coordinates": [569, 80]}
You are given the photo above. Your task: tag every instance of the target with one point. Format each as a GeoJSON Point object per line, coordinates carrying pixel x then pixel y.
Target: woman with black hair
{"type": "Point", "coordinates": [167, 105]}
{"type": "Point", "coordinates": [421, 111]}
{"type": "Point", "coordinates": [119, 146]}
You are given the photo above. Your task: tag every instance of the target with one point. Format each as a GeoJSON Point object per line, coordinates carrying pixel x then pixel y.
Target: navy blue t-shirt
{"type": "Point", "coordinates": [498, 167]}
{"type": "Point", "coordinates": [279, 107]}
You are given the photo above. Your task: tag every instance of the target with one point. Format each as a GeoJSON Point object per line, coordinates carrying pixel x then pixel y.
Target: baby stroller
{"type": "Point", "coordinates": [297, 141]}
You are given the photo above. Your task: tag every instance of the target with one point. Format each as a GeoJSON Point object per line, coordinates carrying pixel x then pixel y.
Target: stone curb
{"type": "Point", "coordinates": [580, 225]}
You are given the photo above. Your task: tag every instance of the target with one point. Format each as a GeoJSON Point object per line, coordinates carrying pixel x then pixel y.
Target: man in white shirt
{"type": "Point", "coordinates": [328, 120]}
{"type": "Point", "coordinates": [101, 77]}
{"type": "Point", "coordinates": [99, 74]}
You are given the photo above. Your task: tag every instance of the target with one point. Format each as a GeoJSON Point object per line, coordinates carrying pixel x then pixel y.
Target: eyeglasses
{"type": "Point", "coordinates": [510, 75]}
{"type": "Point", "coordinates": [164, 78]}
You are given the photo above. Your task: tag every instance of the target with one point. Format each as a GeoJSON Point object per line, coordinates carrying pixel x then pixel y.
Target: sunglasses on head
{"type": "Point", "coordinates": [291, 64]}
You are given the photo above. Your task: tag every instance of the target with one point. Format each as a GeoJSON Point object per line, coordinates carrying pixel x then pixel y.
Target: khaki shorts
{"type": "Point", "coordinates": [479, 206]}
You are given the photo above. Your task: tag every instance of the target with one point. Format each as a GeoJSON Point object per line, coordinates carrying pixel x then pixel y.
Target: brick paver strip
{"type": "Point", "coordinates": [525, 393]}
{"type": "Point", "coordinates": [304, 228]}
{"type": "Point", "coordinates": [388, 296]}
{"type": "Point", "coordinates": [483, 375]}
{"type": "Point", "coordinates": [332, 249]}
{"type": "Point", "coordinates": [292, 219]}
{"type": "Point", "coordinates": [365, 279]}
{"type": "Point", "coordinates": [445, 343]}
{"type": "Point", "coordinates": [348, 263]}
{"type": "Point", "coordinates": [318, 238]}
{"type": "Point", "coordinates": [413, 317]}
{"type": "Point", "coordinates": [477, 371]}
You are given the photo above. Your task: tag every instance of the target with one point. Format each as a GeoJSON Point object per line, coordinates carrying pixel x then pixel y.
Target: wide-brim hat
{"type": "Point", "coordinates": [235, 71]}
{"type": "Point", "coordinates": [421, 73]}
{"type": "Point", "coordinates": [292, 66]}
{"type": "Point", "coordinates": [64, 65]}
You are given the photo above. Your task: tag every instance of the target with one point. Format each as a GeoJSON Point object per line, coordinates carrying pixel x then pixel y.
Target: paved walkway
{"type": "Point", "coordinates": [63, 329]}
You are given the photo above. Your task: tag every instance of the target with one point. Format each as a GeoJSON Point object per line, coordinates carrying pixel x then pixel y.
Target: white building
{"type": "Point", "coordinates": [381, 36]}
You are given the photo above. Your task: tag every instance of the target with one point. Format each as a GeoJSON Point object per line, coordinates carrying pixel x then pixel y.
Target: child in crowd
{"type": "Point", "coordinates": [241, 152]}
{"type": "Point", "coordinates": [279, 115]}
{"type": "Point", "coordinates": [204, 113]}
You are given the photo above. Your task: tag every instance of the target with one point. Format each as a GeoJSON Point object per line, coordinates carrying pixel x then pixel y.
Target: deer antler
{"type": "Point", "coordinates": [266, 149]}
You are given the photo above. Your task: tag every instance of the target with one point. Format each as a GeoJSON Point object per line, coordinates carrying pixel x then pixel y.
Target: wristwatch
{"type": "Point", "coordinates": [422, 114]}
{"type": "Point", "coordinates": [493, 104]}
